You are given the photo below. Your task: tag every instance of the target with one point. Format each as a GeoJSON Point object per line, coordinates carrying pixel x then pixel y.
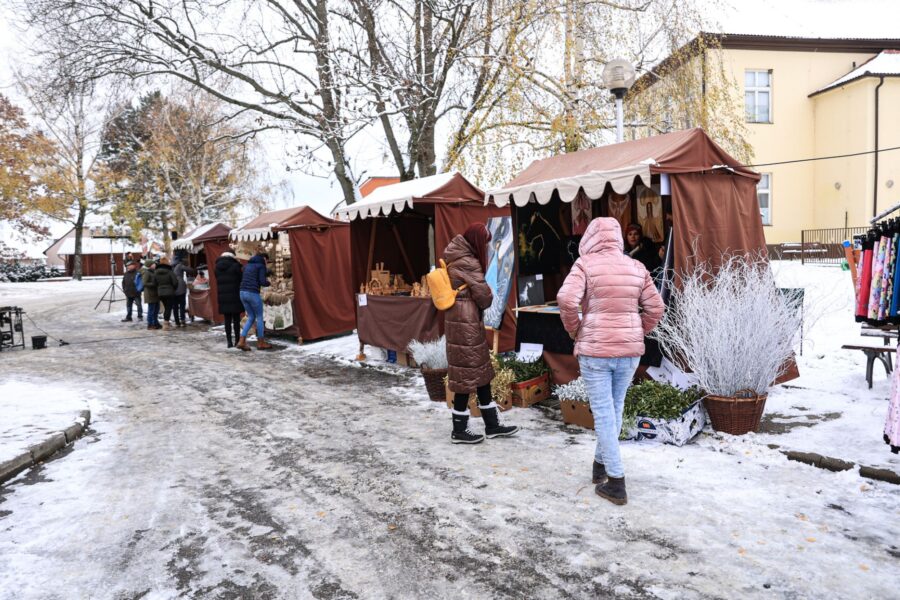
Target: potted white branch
{"type": "Point", "coordinates": [432, 360]}
{"type": "Point", "coordinates": [735, 331]}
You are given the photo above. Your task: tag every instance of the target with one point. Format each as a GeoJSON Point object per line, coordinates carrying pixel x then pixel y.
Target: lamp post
{"type": "Point", "coordinates": [618, 77]}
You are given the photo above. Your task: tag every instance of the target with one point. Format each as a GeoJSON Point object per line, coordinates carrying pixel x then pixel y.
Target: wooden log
{"type": "Point", "coordinates": [371, 247]}
{"type": "Point", "coordinates": [410, 272]}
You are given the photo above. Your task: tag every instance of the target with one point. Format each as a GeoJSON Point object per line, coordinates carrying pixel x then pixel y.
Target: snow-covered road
{"type": "Point", "coordinates": [215, 474]}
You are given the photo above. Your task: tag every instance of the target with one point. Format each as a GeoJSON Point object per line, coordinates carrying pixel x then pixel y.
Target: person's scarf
{"type": "Point", "coordinates": [478, 237]}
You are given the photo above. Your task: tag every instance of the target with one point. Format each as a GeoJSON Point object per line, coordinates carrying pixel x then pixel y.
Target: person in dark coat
{"type": "Point", "coordinates": [252, 281]}
{"type": "Point", "coordinates": [228, 293]}
{"type": "Point", "coordinates": [166, 284]}
{"type": "Point", "coordinates": [180, 270]}
{"type": "Point", "coordinates": [151, 294]}
{"type": "Point", "coordinates": [640, 248]}
{"type": "Point", "coordinates": [132, 295]}
{"type": "Point", "coordinates": [468, 357]}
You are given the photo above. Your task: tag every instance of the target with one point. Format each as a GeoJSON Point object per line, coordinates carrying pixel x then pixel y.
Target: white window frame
{"type": "Point", "coordinates": [755, 90]}
{"type": "Point", "coordinates": [768, 192]}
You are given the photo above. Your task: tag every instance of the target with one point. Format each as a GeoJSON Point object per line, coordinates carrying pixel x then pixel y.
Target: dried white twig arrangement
{"type": "Point", "coordinates": [431, 355]}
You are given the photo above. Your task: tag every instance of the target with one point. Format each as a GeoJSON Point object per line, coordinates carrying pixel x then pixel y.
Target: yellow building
{"type": "Point", "coordinates": [807, 98]}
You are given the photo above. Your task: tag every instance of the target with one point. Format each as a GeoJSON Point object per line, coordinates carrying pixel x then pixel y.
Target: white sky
{"type": "Point", "coordinates": [804, 18]}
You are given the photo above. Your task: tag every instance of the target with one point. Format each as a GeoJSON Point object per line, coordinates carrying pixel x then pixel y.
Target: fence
{"type": "Point", "coordinates": [824, 246]}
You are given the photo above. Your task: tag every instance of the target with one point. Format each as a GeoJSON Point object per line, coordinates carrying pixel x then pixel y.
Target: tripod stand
{"type": "Point", "coordinates": [109, 296]}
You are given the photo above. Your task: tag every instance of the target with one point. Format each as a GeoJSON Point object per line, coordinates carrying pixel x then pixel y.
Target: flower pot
{"type": "Point", "coordinates": [738, 414]}
{"type": "Point", "coordinates": [531, 391]}
{"type": "Point", "coordinates": [577, 413]}
{"type": "Point", "coordinates": [434, 383]}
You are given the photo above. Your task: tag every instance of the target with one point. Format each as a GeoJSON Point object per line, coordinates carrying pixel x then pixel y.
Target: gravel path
{"type": "Point", "coordinates": [214, 474]}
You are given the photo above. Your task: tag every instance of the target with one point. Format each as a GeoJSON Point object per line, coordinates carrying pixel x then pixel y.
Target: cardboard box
{"type": "Point", "coordinates": [677, 432]}
{"type": "Point", "coordinates": [577, 413]}
{"type": "Point", "coordinates": [532, 391]}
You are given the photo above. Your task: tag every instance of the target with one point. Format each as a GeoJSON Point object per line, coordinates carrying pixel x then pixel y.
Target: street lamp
{"type": "Point", "coordinates": [618, 77]}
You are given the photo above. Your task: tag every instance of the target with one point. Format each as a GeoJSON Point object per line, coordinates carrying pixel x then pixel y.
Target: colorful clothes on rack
{"type": "Point", "coordinates": [895, 300]}
{"type": "Point", "coordinates": [887, 281]}
{"type": "Point", "coordinates": [877, 272]}
{"type": "Point", "coordinates": [864, 283]}
{"type": "Point", "coordinates": [892, 423]}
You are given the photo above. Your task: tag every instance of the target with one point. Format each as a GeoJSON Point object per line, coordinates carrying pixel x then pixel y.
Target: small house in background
{"type": "Point", "coordinates": [373, 183]}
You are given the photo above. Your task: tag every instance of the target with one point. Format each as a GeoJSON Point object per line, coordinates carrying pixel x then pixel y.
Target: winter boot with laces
{"type": "Point", "coordinates": [492, 426]}
{"type": "Point", "coordinates": [599, 475]}
{"type": "Point", "coordinates": [613, 490]}
{"type": "Point", "coordinates": [461, 433]}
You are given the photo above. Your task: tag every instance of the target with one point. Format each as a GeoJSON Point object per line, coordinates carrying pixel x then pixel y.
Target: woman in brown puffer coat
{"type": "Point", "coordinates": [468, 357]}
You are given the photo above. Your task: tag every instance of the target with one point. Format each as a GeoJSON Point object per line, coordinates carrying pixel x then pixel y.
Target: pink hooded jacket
{"type": "Point", "coordinates": [619, 302]}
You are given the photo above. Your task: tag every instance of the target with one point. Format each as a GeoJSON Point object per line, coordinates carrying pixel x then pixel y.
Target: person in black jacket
{"type": "Point", "coordinates": [228, 293]}
{"type": "Point", "coordinates": [640, 248]}
{"type": "Point", "coordinates": [166, 284]}
{"type": "Point", "coordinates": [132, 295]}
{"type": "Point", "coordinates": [253, 279]}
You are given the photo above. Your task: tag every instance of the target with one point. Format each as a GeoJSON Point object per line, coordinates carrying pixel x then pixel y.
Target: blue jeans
{"type": "Point", "coordinates": [153, 313]}
{"type": "Point", "coordinates": [607, 380]}
{"type": "Point", "coordinates": [129, 301]}
{"type": "Point", "coordinates": [253, 306]}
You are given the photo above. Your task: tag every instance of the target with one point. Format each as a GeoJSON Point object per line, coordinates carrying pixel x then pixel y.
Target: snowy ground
{"type": "Point", "coordinates": [211, 473]}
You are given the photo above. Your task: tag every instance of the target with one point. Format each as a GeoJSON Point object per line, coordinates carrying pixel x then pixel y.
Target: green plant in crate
{"type": "Point", "coordinates": [656, 400]}
{"type": "Point", "coordinates": [522, 371]}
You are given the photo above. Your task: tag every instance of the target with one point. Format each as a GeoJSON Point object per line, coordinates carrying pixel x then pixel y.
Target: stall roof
{"type": "Point", "coordinates": [198, 235]}
{"type": "Point", "coordinates": [267, 224]}
{"type": "Point", "coordinates": [688, 151]}
{"type": "Point", "coordinates": [445, 187]}
{"type": "Point", "coordinates": [91, 245]}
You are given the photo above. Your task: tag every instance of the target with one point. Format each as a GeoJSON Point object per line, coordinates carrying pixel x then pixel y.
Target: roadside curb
{"type": "Point", "coordinates": [837, 465]}
{"type": "Point", "coordinates": [44, 450]}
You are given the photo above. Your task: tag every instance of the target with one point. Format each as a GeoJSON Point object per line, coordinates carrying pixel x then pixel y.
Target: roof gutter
{"type": "Point", "coordinates": [875, 195]}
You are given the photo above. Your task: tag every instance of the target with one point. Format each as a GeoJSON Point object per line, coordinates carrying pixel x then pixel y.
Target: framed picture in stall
{"type": "Point", "coordinates": [531, 290]}
{"type": "Point", "coordinates": [650, 212]}
{"type": "Point", "coordinates": [501, 260]}
{"type": "Point", "coordinates": [540, 239]}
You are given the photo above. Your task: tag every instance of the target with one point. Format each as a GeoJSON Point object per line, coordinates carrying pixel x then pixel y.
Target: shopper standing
{"type": "Point", "coordinates": [620, 306]}
{"type": "Point", "coordinates": [252, 281]}
{"type": "Point", "coordinates": [228, 293]}
{"type": "Point", "coordinates": [132, 293]}
{"type": "Point", "coordinates": [151, 295]}
{"type": "Point", "coordinates": [469, 359]}
{"type": "Point", "coordinates": [180, 270]}
{"type": "Point", "coordinates": [166, 284]}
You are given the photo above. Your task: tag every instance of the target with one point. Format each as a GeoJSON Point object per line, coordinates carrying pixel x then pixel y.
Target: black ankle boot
{"type": "Point", "coordinates": [599, 475]}
{"type": "Point", "coordinates": [461, 433]}
{"type": "Point", "coordinates": [613, 490]}
{"type": "Point", "coordinates": [492, 426]}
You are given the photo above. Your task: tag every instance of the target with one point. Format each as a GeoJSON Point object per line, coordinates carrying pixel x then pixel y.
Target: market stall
{"type": "Point", "coordinates": [204, 245]}
{"type": "Point", "coordinates": [397, 234]}
{"type": "Point", "coordinates": [692, 200]}
{"type": "Point", "coordinates": [309, 254]}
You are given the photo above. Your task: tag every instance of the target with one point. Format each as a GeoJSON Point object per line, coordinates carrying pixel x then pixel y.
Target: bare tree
{"type": "Point", "coordinates": [273, 58]}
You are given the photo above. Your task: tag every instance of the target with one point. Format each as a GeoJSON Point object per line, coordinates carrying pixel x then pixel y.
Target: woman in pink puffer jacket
{"type": "Point", "coordinates": [620, 305]}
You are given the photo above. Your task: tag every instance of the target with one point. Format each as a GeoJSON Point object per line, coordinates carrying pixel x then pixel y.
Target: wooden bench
{"type": "Point", "coordinates": [874, 353]}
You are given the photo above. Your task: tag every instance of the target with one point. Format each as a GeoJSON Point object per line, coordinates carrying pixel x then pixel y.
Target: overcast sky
{"type": "Point", "coordinates": [804, 18]}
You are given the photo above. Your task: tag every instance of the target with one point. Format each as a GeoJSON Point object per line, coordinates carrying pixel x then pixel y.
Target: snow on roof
{"type": "Point", "coordinates": [887, 63]}
{"type": "Point", "coordinates": [91, 245]}
{"type": "Point", "coordinates": [396, 197]}
{"type": "Point", "coordinates": [187, 242]}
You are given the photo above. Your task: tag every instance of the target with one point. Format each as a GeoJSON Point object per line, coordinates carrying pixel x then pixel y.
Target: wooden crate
{"type": "Point", "coordinates": [532, 391]}
{"type": "Point", "coordinates": [577, 413]}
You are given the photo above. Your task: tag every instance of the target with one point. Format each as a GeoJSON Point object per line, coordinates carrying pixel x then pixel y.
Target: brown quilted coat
{"type": "Point", "coordinates": [467, 349]}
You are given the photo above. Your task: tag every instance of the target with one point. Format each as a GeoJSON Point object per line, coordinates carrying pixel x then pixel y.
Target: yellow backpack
{"type": "Point", "coordinates": [442, 293]}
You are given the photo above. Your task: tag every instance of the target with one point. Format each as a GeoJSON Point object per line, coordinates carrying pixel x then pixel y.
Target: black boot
{"type": "Point", "coordinates": [461, 433]}
{"type": "Point", "coordinates": [492, 426]}
{"type": "Point", "coordinates": [613, 490]}
{"type": "Point", "coordinates": [599, 475]}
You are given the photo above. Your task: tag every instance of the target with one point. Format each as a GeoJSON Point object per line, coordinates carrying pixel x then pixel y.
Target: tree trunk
{"type": "Point", "coordinates": [79, 232]}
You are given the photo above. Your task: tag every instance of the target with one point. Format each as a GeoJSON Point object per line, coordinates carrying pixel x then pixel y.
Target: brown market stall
{"type": "Point", "coordinates": [98, 255]}
{"type": "Point", "coordinates": [311, 295]}
{"type": "Point", "coordinates": [687, 192]}
{"type": "Point", "coordinates": [204, 245]}
{"type": "Point", "coordinates": [397, 233]}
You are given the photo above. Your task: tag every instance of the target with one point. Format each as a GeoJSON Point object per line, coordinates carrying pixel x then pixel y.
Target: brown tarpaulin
{"type": "Point", "coordinates": [200, 304]}
{"type": "Point", "coordinates": [323, 288]}
{"type": "Point", "coordinates": [714, 214]}
{"type": "Point", "coordinates": [212, 250]}
{"type": "Point", "coordinates": [392, 322]}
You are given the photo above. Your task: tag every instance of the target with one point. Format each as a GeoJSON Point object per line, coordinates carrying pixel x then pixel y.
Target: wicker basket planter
{"type": "Point", "coordinates": [434, 383]}
{"type": "Point", "coordinates": [738, 414]}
